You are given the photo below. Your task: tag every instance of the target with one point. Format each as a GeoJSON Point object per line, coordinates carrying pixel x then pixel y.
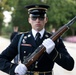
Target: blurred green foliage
{"type": "Point", "coordinates": [59, 13]}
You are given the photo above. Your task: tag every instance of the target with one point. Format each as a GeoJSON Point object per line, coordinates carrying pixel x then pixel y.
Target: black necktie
{"type": "Point", "coordinates": [38, 41]}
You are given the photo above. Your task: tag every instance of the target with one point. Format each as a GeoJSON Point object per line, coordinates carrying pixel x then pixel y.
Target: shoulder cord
{"type": "Point", "coordinates": [19, 43]}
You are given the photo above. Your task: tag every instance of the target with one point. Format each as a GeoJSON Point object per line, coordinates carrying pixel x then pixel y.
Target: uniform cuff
{"type": "Point", "coordinates": [54, 55]}
{"type": "Point", "coordinates": [12, 68]}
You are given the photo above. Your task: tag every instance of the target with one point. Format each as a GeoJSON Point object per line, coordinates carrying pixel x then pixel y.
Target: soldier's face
{"type": "Point", "coordinates": [37, 23]}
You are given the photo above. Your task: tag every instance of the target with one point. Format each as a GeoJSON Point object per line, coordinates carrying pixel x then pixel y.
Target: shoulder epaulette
{"type": "Point", "coordinates": [49, 32]}
{"type": "Point", "coordinates": [23, 32]}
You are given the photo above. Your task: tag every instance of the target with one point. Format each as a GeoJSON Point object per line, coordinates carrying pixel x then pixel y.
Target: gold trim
{"type": "Point", "coordinates": [60, 56]}
{"type": "Point", "coordinates": [36, 8]}
{"type": "Point", "coordinates": [36, 73]}
{"type": "Point", "coordinates": [39, 71]}
{"type": "Point", "coordinates": [56, 56]}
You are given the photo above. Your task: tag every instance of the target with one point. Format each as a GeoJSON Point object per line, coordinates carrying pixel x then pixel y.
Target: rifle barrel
{"type": "Point", "coordinates": [40, 50]}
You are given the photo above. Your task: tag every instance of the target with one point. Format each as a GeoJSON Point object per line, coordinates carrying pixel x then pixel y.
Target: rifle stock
{"type": "Point", "coordinates": [41, 49]}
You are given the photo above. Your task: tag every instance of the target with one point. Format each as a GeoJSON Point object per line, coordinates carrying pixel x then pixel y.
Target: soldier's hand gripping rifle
{"type": "Point", "coordinates": [41, 49]}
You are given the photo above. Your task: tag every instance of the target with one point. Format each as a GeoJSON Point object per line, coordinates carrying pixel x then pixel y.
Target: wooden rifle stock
{"type": "Point", "coordinates": [41, 49]}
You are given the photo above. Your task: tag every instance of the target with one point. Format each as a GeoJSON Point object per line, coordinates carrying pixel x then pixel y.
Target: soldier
{"type": "Point", "coordinates": [14, 33]}
{"type": "Point", "coordinates": [55, 51]}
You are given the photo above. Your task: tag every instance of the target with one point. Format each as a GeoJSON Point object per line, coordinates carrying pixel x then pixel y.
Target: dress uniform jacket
{"type": "Point", "coordinates": [27, 46]}
{"type": "Point", "coordinates": [13, 35]}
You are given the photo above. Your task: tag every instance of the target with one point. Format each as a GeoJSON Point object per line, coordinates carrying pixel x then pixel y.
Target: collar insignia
{"type": "Point", "coordinates": [46, 36]}
{"type": "Point", "coordinates": [29, 35]}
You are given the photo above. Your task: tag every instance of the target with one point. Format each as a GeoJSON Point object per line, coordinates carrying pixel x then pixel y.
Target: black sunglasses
{"type": "Point", "coordinates": [34, 18]}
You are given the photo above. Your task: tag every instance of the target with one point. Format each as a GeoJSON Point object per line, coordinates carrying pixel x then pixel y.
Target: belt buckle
{"type": "Point", "coordinates": [36, 73]}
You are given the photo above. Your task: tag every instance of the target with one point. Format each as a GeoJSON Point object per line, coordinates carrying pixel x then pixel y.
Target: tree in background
{"type": "Point", "coordinates": [60, 12]}
{"type": "Point", "coordinates": [4, 5]}
{"type": "Point", "coordinates": [20, 15]}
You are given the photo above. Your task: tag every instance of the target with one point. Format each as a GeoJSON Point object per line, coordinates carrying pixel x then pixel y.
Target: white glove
{"type": "Point", "coordinates": [21, 69]}
{"type": "Point", "coordinates": [49, 45]}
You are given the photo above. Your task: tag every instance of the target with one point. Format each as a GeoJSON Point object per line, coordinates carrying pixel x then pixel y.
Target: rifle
{"type": "Point", "coordinates": [41, 49]}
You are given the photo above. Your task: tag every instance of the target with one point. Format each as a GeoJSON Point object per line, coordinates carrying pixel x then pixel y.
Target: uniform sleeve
{"type": "Point", "coordinates": [61, 56]}
{"type": "Point", "coordinates": [7, 56]}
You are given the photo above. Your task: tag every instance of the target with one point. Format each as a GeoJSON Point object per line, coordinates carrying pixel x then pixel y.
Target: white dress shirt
{"type": "Point", "coordinates": [41, 32]}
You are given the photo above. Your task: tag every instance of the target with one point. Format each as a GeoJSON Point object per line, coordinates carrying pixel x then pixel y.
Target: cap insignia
{"type": "Point", "coordinates": [46, 35]}
{"type": "Point", "coordinates": [36, 6]}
